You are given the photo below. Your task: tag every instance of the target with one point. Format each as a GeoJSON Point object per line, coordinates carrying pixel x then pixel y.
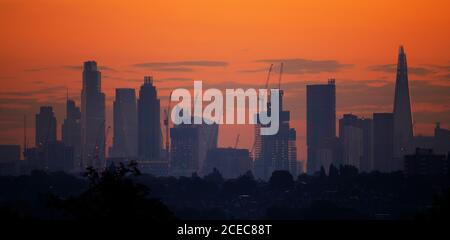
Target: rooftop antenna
{"type": "Point", "coordinates": [268, 77]}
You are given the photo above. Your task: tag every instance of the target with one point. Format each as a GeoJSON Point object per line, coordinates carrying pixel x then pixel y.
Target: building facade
{"type": "Point", "coordinates": [45, 126]}
{"type": "Point", "coordinates": [149, 127]}
{"type": "Point", "coordinates": [92, 117]}
{"type": "Point", "coordinates": [71, 131]}
{"type": "Point", "coordinates": [320, 121]}
{"type": "Point", "coordinates": [125, 139]}
{"type": "Point", "coordinates": [383, 141]}
{"type": "Point", "coordinates": [355, 135]}
{"type": "Point", "coordinates": [278, 151]}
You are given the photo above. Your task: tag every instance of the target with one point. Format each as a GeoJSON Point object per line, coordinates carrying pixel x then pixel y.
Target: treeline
{"type": "Point", "coordinates": [122, 192]}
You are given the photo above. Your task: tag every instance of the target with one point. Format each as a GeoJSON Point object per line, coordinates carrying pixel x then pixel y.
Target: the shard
{"type": "Point", "coordinates": [403, 128]}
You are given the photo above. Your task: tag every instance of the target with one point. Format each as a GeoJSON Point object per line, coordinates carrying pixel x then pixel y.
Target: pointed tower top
{"type": "Point", "coordinates": [401, 50]}
{"type": "Point", "coordinates": [148, 79]}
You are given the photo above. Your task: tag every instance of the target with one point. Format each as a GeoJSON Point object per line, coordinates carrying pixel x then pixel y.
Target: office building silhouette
{"type": "Point", "coordinates": [92, 117]}
{"type": "Point", "coordinates": [125, 127]}
{"type": "Point", "coordinates": [355, 135]}
{"type": "Point", "coordinates": [190, 144]}
{"type": "Point", "coordinates": [71, 130]}
{"type": "Point", "coordinates": [45, 126]}
{"type": "Point", "coordinates": [149, 127]}
{"type": "Point", "coordinates": [320, 123]}
{"type": "Point", "coordinates": [383, 130]}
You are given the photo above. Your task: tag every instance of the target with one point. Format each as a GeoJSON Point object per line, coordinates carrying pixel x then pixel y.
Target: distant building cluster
{"type": "Point", "coordinates": [379, 143]}
{"type": "Point", "coordinates": [382, 143]}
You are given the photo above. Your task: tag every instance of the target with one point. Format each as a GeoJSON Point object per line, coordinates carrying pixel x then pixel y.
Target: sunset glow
{"type": "Point", "coordinates": [225, 43]}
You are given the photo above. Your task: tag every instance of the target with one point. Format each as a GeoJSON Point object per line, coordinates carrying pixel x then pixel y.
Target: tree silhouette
{"type": "Point", "coordinates": [113, 195]}
{"type": "Point", "coordinates": [333, 171]}
{"type": "Point", "coordinates": [244, 184]}
{"type": "Point", "coordinates": [214, 177]}
{"type": "Point", "coordinates": [281, 180]}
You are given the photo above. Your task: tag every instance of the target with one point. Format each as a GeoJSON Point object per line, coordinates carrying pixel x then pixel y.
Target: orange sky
{"type": "Point", "coordinates": [42, 43]}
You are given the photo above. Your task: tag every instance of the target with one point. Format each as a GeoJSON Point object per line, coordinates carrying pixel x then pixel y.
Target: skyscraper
{"type": "Point", "coordinates": [355, 135]}
{"type": "Point", "coordinates": [278, 151]}
{"type": "Point", "coordinates": [125, 124]}
{"type": "Point", "coordinates": [320, 120]}
{"type": "Point", "coordinates": [383, 130]}
{"type": "Point", "coordinates": [292, 148]}
{"type": "Point", "coordinates": [71, 130]}
{"type": "Point", "coordinates": [92, 117]}
{"type": "Point", "coordinates": [367, 161]}
{"type": "Point", "coordinates": [149, 128]}
{"type": "Point", "coordinates": [56, 156]}
{"type": "Point", "coordinates": [190, 144]}
{"type": "Point", "coordinates": [45, 126]}
{"type": "Point", "coordinates": [184, 152]}
{"type": "Point", "coordinates": [351, 138]}
{"type": "Point", "coordinates": [403, 130]}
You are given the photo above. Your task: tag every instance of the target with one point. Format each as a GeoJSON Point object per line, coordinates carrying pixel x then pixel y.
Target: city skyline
{"type": "Point", "coordinates": [271, 119]}
{"type": "Point", "coordinates": [137, 135]}
{"type": "Point", "coordinates": [236, 53]}
{"type": "Point", "coordinates": [110, 140]}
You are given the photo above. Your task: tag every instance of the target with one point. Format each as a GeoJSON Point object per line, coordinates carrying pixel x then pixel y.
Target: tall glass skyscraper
{"type": "Point", "coordinates": [149, 128]}
{"type": "Point", "coordinates": [320, 122]}
{"type": "Point", "coordinates": [403, 130]}
{"type": "Point", "coordinates": [92, 117]}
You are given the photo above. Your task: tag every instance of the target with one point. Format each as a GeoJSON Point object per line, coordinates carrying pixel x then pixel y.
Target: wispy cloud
{"type": "Point", "coordinates": [199, 63]}
{"type": "Point", "coordinates": [31, 93]}
{"type": "Point", "coordinates": [180, 66]}
{"type": "Point", "coordinates": [302, 66]}
{"type": "Point", "coordinates": [175, 79]}
{"type": "Point", "coordinates": [440, 67]}
{"type": "Point", "coordinates": [80, 67]}
{"type": "Point", "coordinates": [73, 67]}
{"type": "Point", "coordinates": [173, 69]}
{"type": "Point", "coordinates": [37, 69]}
{"type": "Point", "coordinates": [67, 67]}
{"type": "Point", "coordinates": [392, 68]}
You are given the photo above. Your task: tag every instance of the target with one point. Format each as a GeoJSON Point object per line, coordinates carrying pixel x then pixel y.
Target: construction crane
{"type": "Point", "coordinates": [279, 78]}
{"type": "Point", "coordinates": [237, 141]}
{"type": "Point", "coordinates": [253, 149]}
{"type": "Point", "coordinates": [166, 124]}
{"type": "Point", "coordinates": [268, 100]}
{"type": "Point", "coordinates": [268, 77]}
